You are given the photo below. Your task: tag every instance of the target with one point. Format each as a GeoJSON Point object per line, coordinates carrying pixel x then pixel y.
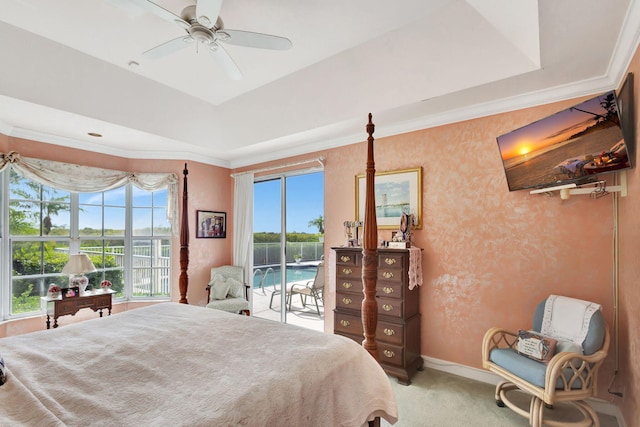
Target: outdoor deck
{"type": "Point", "coordinates": [305, 317]}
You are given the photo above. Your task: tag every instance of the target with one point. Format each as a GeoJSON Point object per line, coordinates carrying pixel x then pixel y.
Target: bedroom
{"type": "Point", "coordinates": [472, 224]}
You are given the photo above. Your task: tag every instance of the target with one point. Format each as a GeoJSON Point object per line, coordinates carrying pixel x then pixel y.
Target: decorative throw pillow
{"type": "Point", "coordinates": [535, 346]}
{"type": "Point", "coordinates": [3, 374]}
{"type": "Point", "coordinates": [219, 288]}
{"type": "Point", "coordinates": [236, 288]}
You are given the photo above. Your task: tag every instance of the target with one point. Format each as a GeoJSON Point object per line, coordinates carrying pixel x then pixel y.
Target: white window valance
{"type": "Point", "coordinates": [87, 179]}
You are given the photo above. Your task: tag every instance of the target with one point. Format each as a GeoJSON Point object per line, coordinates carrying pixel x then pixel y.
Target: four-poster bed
{"type": "Point", "coordinates": [177, 364]}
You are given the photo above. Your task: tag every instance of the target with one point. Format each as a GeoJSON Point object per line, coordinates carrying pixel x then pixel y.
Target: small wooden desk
{"type": "Point", "coordinates": [95, 300]}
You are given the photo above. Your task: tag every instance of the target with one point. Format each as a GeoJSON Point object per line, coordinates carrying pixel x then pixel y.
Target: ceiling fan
{"type": "Point", "coordinates": [204, 26]}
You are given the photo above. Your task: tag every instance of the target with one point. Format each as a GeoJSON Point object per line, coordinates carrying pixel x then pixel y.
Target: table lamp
{"type": "Point", "coordinates": [76, 267]}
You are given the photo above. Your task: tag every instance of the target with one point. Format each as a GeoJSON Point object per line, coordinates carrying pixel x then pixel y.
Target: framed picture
{"type": "Point", "coordinates": [211, 224]}
{"type": "Point", "coordinates": [71, 292]}
{"type": "Point", "coordinates": [627, 116]}
{"type": "Point", "coordinates": [396, 192]}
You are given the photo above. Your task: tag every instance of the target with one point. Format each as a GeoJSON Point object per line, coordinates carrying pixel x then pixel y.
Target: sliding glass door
{"type": "Point", "coordinates": [288, 245]}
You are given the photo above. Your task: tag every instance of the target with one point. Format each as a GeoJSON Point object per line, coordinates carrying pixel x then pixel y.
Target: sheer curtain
{"type": "Point", "coordinates": [243, 223]}
{"type": "Point", "coordinates": [78, 178]}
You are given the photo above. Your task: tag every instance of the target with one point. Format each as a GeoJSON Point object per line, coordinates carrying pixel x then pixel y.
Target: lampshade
{"type": "Point", "coordinates": [78, 264]}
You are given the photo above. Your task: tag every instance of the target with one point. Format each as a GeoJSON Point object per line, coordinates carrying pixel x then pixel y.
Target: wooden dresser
{"type": "Point", "coordinates": [398, 328]}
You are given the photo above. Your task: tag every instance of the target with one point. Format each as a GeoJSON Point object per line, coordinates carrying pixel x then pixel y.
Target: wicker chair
{"type": "Point", "coordinates": [568, 377]}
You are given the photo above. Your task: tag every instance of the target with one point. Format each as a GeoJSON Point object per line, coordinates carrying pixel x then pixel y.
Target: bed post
{"type": "Point", "coordinates": [370, 253]}
{"type": "Point", "coordinates": [184, 241]}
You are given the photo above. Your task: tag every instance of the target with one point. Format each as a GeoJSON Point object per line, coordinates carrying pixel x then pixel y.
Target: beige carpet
{"type": "Point", "coordinates": [439, 399]}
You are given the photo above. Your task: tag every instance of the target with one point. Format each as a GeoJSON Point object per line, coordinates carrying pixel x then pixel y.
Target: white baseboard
{"type": "Point", "coordinates": [600, 405]}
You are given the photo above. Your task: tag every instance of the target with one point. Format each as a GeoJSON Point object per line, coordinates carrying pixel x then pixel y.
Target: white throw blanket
{"type": "Point", "coordinates": [178, 365]}
{"type": "Point", "coordinates": [567, 319]}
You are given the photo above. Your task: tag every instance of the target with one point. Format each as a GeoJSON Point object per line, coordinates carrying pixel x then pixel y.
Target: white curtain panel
{"type": "Point", "coordinates": [78, 178]}
{"type": "Point", "coordinates": [243, 223]}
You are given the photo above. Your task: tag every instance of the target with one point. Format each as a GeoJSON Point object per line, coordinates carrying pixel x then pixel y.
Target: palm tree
{"type": "Point", "coordinates": [319, 223]}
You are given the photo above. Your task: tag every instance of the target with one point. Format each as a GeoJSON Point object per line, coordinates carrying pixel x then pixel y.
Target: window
{"type": "Point", "coordinates": [124, 231]}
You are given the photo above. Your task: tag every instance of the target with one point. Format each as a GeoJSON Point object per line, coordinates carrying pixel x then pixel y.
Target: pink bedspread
{"type": "Point", "coordinates": [178, 365]}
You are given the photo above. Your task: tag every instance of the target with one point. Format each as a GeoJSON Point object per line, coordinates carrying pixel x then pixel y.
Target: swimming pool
{"type": "Point", "coordinates": [295, 273]}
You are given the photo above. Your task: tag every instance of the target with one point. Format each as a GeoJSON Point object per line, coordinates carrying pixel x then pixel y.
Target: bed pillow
{"type": "Point", "coordinates": [236, 288]}
{"type": "Point", "coordinates": [3, 373]}
{"type": "Point", "coordinates": [535, 346]}
{"type": "Point", "coordinates": [219, 288]}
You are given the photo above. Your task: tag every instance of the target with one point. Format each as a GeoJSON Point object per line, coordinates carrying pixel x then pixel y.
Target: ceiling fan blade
{"type": "Point", "coordinates": [225, 60]}
{"type": "Point", "coordinates": [259, 40]}
{"type": "Point", "coordinates": [207, 12]}
{"type": "Point", "coordinates": [163, 13]}
{"type": "Point", "coordinates": [168, 47]}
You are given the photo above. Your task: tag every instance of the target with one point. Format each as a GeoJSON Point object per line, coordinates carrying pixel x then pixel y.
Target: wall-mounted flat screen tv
{"type": "Point", "coordinates": [571, 146]}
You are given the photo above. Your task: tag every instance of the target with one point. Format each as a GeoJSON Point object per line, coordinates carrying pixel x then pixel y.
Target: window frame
{"type": "Point", "coordinates": [76, 240]}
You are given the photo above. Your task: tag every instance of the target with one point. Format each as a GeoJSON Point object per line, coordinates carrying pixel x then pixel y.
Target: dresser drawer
{"type": "Point", "coordinates": [391, 333]}
{"type": "Point", "coordinates": [391, 260]}
{"type": "Point", "coordinates": [67, 307]}
{"type": "Point", "coordinates": [390, 290]}
{"type": "Point", "coordinates": [350, 272]}
{"type": "Point", "coordinates": [349, 284]}
{"type": "Point", "coordinates": [390, 307]}
{"type": "Point", "coordinates": [391, 275]}
{"type": "Point", "coordinates": [390, 354]}
{"type": "Point", "coordinates": [348, 324]}
{"type": "Point", "coordinates": [349, 259]}
{"type": "Point", "coordinates": [349, 301]}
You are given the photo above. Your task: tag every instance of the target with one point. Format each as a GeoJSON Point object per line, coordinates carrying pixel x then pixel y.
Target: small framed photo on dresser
{"type": "Point", "coordinates": [71, 292]}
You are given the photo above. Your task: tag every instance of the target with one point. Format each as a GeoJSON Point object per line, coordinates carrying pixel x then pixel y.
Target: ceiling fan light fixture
{"type": "Point", "coordinates": [204, 20]}
{"type": "Point", "coordinates": [213, 46]}
{"type": "Point", "coordinates": [188, 39]}
{"type": "Point", "coordinates": [222, 36]}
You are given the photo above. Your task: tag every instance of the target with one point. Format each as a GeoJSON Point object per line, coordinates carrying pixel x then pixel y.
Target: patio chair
{"type": "Point", "coordinates": [528, 361]}
{"type": "Point", "coordinates": [227, 291]}
{"type": "Point", "coordinates": [313, 288]}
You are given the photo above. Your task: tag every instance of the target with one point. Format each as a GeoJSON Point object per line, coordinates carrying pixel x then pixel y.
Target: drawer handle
{"type": "Point", "coordinates": [387, 274]}
{"type": "Point", "coordinates": [387, 307]}
{"type": "Point", "coordinates": [345, 323]}
{"type": "Point", "coordinates": [347, 270]}
{"type": "Point", "coordinates": [389, 261]}
{"type": "Point", "coordinates": [347, 300]}
{"type": "Point", "coordinates": [389, 353]}
{"type": "Point", "coordinates": [345, 258]}
{"type": "Point", "coordinates": [387, 290]}
{"type": "Point", "coordinates": [347, 285]}
{"type": "Point", "coordinates": [389, 332]}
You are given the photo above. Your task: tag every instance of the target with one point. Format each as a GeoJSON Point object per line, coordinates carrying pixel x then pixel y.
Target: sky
{"type": "Point", "coordinates": [305, 202]}
{"type": "Point", "coordinates": [550, 130]}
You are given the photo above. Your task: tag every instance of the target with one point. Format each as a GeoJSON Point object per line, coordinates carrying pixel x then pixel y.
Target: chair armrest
{"type": "Point", "coordinates": [582, 368]}
{"type": "Point", "coordinates": [307, 285]}
{"type": "Point", "coordinates": [497, 338]}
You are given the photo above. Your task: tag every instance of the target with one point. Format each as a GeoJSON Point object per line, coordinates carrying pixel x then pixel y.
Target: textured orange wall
{"type": "Point", "coordinates": [628, 380]}
{"type": "Point", "coordinates": [490, 255]}
{"type": "Point", "coordinates": [209, 189]}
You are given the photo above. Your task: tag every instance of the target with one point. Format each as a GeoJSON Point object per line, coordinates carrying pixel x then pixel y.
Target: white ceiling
{"type": "Point", "coordinates": [412, 63]}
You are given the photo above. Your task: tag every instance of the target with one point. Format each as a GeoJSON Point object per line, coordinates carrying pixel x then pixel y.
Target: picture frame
{"type": "Point", "coordinates": [72, 292]}
{"type": "Point", "coordinates": [211, 225]}
{"type": "Point", "coordinates": [396, 192]}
